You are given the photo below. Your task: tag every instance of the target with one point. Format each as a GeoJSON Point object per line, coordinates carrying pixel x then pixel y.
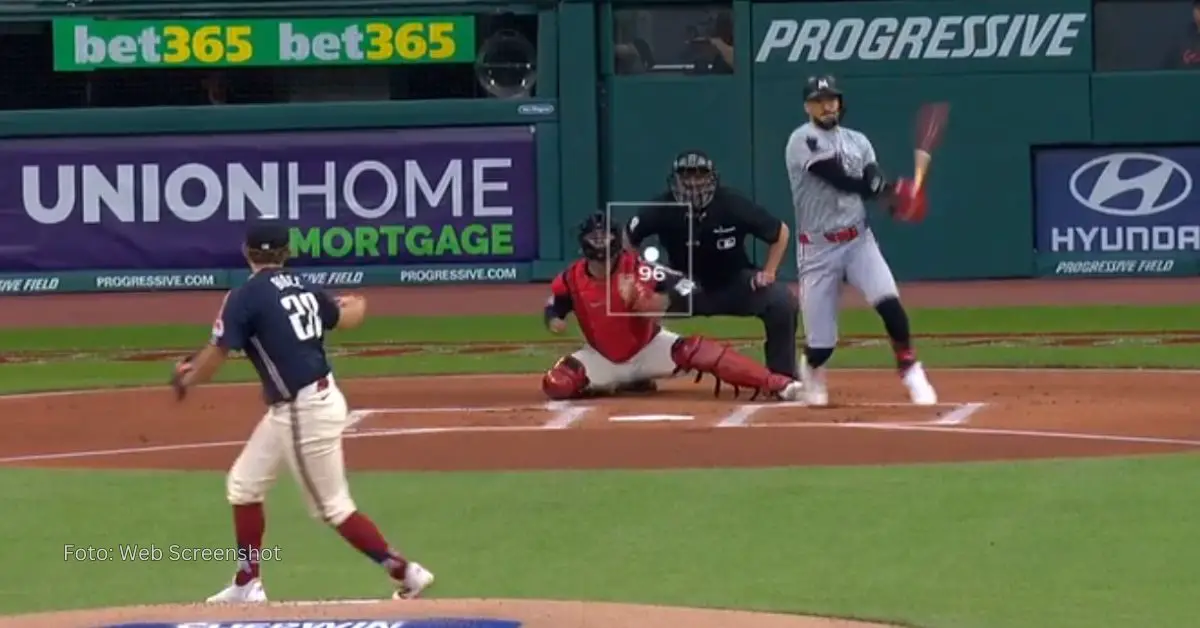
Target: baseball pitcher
{"type": "Point", "coordinates": [833, 172]}
{"type": "Point", "coordinates": [280, 321]}
{"type": "Point", "coordinates": [627, 348]}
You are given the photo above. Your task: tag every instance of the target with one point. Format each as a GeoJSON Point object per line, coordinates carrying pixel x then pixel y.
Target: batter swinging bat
{"type": "Point", "coordinates": [931, 122]}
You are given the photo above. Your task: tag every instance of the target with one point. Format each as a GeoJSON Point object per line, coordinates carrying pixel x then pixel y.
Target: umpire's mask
{"type": "Point", "coordinates": [693, 179]}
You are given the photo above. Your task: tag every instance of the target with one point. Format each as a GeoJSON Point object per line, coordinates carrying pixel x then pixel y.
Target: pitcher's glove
{"type": "Point", "coordinates": [181, 368]}
{"type": "Point", "coordinates": [907, 205]}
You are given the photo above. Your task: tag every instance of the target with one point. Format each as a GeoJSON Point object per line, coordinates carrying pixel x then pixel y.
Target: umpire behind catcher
{"type": "Point", "coordinates": [729, 284]}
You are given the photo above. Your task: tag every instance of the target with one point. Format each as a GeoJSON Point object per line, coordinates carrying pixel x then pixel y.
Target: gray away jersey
{"type": "Point", "coordinates": [820, 207]}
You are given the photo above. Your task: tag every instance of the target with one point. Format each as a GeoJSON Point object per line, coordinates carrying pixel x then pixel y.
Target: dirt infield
{"type": "Point", "coordinates": [531, 614]}
{"type": "Point", "coordinates": [501, 422]}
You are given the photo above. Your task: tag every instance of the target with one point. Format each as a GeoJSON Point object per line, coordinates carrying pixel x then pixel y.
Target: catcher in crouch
{"type": "Point", "coordinates": [627, 348]}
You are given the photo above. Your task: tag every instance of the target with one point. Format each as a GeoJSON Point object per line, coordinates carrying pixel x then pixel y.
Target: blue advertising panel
{"type": "Point", "coordinates": [1129, 211]}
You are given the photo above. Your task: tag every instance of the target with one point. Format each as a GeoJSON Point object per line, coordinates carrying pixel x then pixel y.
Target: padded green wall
{"type": "Point", "coordinates": [979, 223]}
{"type": "Point", "coordinates": [611, 138]}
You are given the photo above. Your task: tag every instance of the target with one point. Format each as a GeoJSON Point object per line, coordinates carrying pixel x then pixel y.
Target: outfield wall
{"type": "Point", "coordinates": [1067, 151]}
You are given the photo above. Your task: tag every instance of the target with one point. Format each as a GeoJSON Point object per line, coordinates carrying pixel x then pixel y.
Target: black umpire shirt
{"type": "Point", "coordinates": [718, 232]}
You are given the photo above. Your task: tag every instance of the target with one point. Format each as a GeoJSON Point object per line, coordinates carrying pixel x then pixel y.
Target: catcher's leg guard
{"type": "Point", "coordinates": [695, 353]}
{"type": "Point", "coordinates": [567, 379]}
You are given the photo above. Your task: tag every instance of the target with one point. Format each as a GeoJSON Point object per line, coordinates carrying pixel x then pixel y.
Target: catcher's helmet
{"type": "Point", "coordinates": [823, 87]}
{"type": "Point", "coordinates": [693, 179]}
{"type": "Point", "coordinates": [598, 240]}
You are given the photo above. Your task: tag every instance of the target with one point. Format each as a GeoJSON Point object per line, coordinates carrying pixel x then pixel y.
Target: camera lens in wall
{"type": "Point", "coordinates": [507, 65]}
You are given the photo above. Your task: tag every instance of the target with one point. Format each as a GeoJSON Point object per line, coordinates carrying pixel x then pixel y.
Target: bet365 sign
{"type": "Point", "coordinates": [879, 38]}
{"type": "Point", "coordinates": [82, 45]}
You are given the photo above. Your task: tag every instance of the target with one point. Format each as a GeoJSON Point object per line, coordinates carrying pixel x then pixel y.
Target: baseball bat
{"type": "Point", "coordinates": [921, 158]}
{"type": "Point", "coordinates": [930, 124]}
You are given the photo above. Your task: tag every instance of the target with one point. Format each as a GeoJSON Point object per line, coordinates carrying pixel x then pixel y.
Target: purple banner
{"type": "Point", "coordinates": [387, 197]}
{"type": "Point", "coordinates": [1090, 201]}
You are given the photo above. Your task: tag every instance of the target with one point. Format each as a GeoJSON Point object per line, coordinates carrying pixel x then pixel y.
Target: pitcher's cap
{"type": "Point", "coordinates": [267, 237]}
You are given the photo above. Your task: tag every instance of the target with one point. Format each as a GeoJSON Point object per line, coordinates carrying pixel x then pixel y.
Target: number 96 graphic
{"type": "Point", "coordinates": [648, 272]}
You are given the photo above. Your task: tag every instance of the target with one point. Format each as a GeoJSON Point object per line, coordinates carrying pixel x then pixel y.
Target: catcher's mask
{"type": "Point", "coordinates": [823, 101]}
{"type": "Point", "coordinates": [693, 179]}
{"type": "Point", "coordinates": [599, 241]}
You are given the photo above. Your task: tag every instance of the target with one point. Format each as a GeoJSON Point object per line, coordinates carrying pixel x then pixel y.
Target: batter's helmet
{"type": "Point", "coordinates": [598, 240]}
{"type": "Point", "coordinates": [819, 87]}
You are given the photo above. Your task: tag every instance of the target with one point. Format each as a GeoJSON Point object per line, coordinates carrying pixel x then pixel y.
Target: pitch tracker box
{"type": "Point", "coordinates": [622, 213]}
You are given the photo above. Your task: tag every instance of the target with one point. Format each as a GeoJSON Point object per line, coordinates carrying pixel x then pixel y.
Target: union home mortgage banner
{"type": "Point", "coordinates": [886, 38]}
{"type": "Point", "coordinates": [354, 198]}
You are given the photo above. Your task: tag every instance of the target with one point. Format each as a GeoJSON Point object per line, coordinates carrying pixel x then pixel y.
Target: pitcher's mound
{"type": "Point", "coordinates": [445, 613]}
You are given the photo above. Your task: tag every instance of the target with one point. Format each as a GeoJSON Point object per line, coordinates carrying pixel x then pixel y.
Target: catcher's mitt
{"type": "Point", "coordinates": [637, 296]}
{"type": "Point", "coordinates": [907, 204]}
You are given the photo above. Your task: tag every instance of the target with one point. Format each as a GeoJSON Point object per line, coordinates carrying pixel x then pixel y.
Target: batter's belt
{"type": "Point", "coordinates": [841, 235]}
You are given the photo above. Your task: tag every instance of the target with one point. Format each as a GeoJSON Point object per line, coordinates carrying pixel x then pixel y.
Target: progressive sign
{"type": "Point", "coordinates": [874, 38]}
{"type": "Point", "coordinates": [1117, 211]}
{"type": "Point", "coordinates": [360, 198]}
{"type": "Point", "coordinates": [82, 45]}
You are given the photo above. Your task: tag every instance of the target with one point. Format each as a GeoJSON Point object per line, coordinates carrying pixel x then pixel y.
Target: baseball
{"type": "Point", "coordinates": [650, 254]}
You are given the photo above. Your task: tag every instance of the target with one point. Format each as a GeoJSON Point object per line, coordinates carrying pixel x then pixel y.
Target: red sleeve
{"type": "Point", "coordinates": [560, 303]}
{"type": "Point", "coordinates": [558, 287]}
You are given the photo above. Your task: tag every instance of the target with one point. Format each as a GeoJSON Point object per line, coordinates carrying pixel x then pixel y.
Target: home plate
{"type": "Point", "coordinates": [649, 418]}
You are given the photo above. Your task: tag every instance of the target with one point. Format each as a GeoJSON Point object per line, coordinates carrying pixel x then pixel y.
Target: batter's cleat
{"type": "Point", "coordinates": [250, 593]}
{"type": "Point", "coordinates": [793, 392]}
{"type": "Point", "coordinates": [816, 393]}
{"type": "Point", "coordinates": [920, 391]}
{"type": "Point", "coordinates": [416, 580]}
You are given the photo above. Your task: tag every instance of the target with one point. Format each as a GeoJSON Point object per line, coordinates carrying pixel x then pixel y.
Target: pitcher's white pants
{"type": "Point", "coordinates": [307, 434]}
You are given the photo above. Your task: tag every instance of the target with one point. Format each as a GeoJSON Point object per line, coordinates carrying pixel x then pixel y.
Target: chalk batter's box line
{"type": "Point", "coordinates": [456, 409]}
{"type": "Point", "coordinates": [687, 273]}
{"type": "Point", "coordinates": [129, 451]}
{"type": "Point", "coordinates": [965, 409]}
{"type": "Point", "coordinates": [957, 415]}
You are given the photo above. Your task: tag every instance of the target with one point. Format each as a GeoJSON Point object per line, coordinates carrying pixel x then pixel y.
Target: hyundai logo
{"type": "Point", "coordinates": [1130, 184]}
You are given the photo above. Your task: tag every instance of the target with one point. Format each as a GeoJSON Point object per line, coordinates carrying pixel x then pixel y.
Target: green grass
{"type": "Point", "coordinates": [76, 374]}
{"type": "Point", "coordinates": [1054, 544]}
{"type": "Point", "coordinates": [85, 373]}
{"type": "Point", "coordinates": [529, 328]}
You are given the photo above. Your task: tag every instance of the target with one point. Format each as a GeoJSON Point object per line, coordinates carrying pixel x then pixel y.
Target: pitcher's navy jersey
{"type": "Point", "coordinates": [279, 321]}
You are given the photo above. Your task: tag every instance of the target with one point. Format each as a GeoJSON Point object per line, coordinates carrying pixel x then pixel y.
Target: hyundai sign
{"type": "Point", "coordinates": [1117, 211]}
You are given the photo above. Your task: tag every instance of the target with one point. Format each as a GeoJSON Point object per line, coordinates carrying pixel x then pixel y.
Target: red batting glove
{"type": "Point", "coordinates": [908, 204]}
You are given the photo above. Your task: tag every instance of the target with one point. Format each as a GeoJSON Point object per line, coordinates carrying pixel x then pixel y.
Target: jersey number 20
{"type": "Point", "coordinates": [305, 314]}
